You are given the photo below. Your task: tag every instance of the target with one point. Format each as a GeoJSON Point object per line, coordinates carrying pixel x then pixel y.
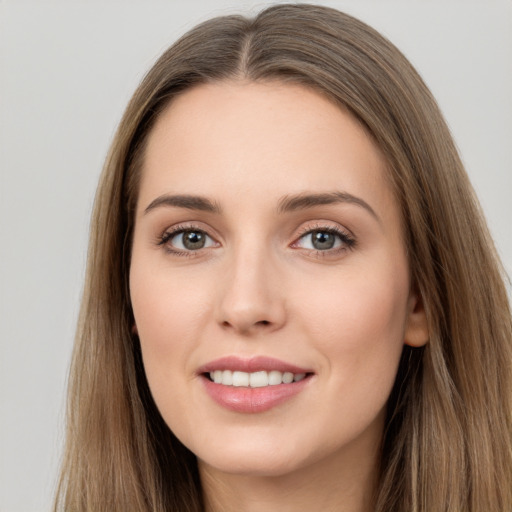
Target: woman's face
{"type": "Point", "coordinates": [268, 256]}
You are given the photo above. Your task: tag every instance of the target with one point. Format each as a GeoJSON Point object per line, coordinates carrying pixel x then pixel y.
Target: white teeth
{"type": "Point", "coordinates": [240, 379]}
{"type": "Point", "coordinates": [258, 379]}
{"type": "Point", "coordinates": [287, 377]}
{"type": "Point", "coordinates": [227, 377]}
{"type": "Point", "coordinates": [255, 379]}
{"type": "Point", "coordinates": [275, 378]}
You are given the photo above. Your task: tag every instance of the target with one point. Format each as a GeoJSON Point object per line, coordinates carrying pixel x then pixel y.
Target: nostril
{"type": "Point", "coordinates": [243, 326]}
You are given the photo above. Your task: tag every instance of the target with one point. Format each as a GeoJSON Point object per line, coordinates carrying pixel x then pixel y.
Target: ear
{"type": "Point", "coordinates": [416, 331]}
{"type": "Point", "coordinates": [135, 331]}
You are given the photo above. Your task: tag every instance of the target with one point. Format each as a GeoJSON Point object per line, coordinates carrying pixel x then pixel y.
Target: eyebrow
{"type": "Point", "coordinates": [305, 201]}
{"type": "Point", "coordinates": [189, 202]}
{"type": "Point", "coordinates": [286, 204]}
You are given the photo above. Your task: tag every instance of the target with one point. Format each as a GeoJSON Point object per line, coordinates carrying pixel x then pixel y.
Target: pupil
{"type": "Point", "coordinates": [193, 240]}
{"type": "Point", "coordinates": [323, 240]}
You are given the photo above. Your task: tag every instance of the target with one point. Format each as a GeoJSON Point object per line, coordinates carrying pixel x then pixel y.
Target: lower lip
{"type": "Point", "coordinates": [252, 400]}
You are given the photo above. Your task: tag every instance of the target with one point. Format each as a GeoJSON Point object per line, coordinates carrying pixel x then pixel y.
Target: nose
{"type": "Point", "coordinates": [251, 297]}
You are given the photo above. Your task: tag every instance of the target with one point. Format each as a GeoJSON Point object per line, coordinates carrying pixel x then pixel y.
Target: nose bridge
{"type": "Point", "coordinates": [251, 298]}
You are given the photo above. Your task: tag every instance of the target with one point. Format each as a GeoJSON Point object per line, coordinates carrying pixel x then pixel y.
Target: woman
{"type": "Point", "coordinates": [292, 300]}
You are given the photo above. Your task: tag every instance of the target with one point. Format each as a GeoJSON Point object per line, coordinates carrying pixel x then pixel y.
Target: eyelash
{"type": "Point", "coordinates": [348, 241]}
{"type": "Point", "coordinates": [167, 236]}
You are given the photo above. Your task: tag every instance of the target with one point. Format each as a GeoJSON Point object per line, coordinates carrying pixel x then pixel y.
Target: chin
{"type": "Point", "coordinates": [271, 457]}
{"type": "Point", "coordinates": [255, 465]}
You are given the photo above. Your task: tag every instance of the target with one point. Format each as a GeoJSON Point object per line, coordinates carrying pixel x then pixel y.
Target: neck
{"type": "Point", "coordinates": [340, 484]}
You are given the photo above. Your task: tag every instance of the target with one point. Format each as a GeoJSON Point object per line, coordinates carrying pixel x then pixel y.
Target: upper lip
{"type": "Point", "coordinates": [250, 365]}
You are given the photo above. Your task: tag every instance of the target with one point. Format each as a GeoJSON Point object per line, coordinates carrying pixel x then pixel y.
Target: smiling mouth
{"type": "Point", "coordinates": [253, 385]}
{"type": "Point", "coordinates": [257, 379]}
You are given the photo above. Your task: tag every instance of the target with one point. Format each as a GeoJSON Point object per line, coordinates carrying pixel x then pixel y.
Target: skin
{"type": "Point", "coordinates": [259, 287]}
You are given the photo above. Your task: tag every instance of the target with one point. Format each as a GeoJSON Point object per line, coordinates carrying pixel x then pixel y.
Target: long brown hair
{"type": "Point", "coordinates": [448, 441]}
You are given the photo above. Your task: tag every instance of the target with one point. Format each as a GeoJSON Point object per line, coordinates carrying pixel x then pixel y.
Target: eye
{"type": "Point", "coordinates": [187, 240]}
{"type": "Point", "coordinates": [325, 239]}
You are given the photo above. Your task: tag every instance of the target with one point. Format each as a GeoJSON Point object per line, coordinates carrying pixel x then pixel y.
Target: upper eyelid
{"type": "Point", "coordinates": [324, 225]}
{"type": "Point", "coordinates": [304, 229]}
{"type": "Point", "coordinates": [310, 229]}
{"type": "Point", "coordinates": [344, 235]}
{"type": "Point", "coordinates": [186, 226]}
{"type": "Point", "coordinates": [181, 227]}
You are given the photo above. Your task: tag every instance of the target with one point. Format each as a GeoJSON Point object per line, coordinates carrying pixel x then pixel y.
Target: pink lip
{"type": "Point", "coordinates": [253, 364]}
{"type": "Point", "coordinates": [251, 400]}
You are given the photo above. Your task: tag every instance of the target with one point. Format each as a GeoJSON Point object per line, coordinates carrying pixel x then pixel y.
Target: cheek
{"type": "Point", "coordinates": [169, 313]}
{"type": "Point", "coordinates": [358, 324]}
{"type": "Point", "coordinates": [167, 307]}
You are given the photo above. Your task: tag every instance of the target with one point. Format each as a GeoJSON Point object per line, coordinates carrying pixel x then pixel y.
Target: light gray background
{"type": "Point", "coordinates": [67, 70]}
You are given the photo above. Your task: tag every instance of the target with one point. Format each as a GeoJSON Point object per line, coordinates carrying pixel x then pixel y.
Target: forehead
{"type": "Point", "coordinates": [260, 141]}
